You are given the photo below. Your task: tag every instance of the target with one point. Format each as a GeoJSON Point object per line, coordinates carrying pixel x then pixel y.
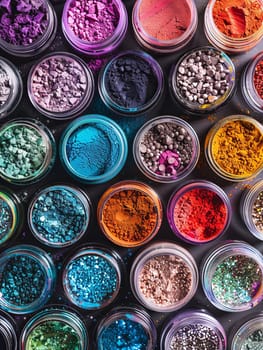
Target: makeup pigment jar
{"type": "Point", "coordinates": [252, 83]}
{"type": "Point", "coordinates": [93, 149]}
{"type": "Point", "coordinates": [164, 277]}
{"type": "Point", "coordinates": [234, 148]}
{"type": "Point", "coordinates": [8, 329]}
{"type": "Point", "coordinates": [199, 212]}
{"type": "Point", "coordinates": [27, 151]}
{"type": "Point", "coordinates": [232, 26]}
{"type": "Point", "coordinates": [11, 87]}
{"type": "Point", "coordinates": [131, 327]}
{"type": "Point", "coordinates": [251, 209]}
{"type": "Point", "coordinates": [249, 335]}
{"type": "Point", "coordinates": [60, 85]}
{"type": "Point", "coordinates": [58, 216]}
{"type": "Point", "coordinates": [130, 213]}
{"type": "Point", "coordinates": [193, 329]}
{"type": "Point", "coordinates": [94, 28]}
{"type": "Point", "coordinates": [166, 149]}
{"type": "Point", "coordinates": [27, 279]}
{"type": "Point", "coordinates": [11, 214]}
{"type": "Point", "coordinates": [92, 277]}
{"type": "Point", "coordinates": [27, 29]}
{"type": "Point", "coordinates": [132, 82]}
{"type": "Point", "coordinates": [52, 327]}
{"type": "Point", "coordinates": [202, 80]}
{"type": "Point", "coordinates": [232, 276]}
{"type": "Point", "coordinates": [164, 27]}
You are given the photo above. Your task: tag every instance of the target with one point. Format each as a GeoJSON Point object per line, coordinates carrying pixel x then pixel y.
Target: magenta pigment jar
{"type": "Point", "coordinates": [199, 212]}
{"type": "Point", "coordinates": [95, 28]}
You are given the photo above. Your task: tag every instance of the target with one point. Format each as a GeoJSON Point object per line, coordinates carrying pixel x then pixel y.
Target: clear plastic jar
{"type": "Point", "coordinates": [195, 93]}
{"type": "Point", "coordinates": [129, 69]}
{"type": "Point", "coordinates": [251, 208]}
{"type": "Point", "coordinates": [232, 276]}
{"type": "Point", "coordinates": [11, 89]}
{"type": "Point", "coordinates": [93, 149]}
{"type": "Point", "coordinates": [11, 214]}
{"type": "Point", "coordinates": [168, 159]}
{"type": "Point", "coordinates": [52, 326]}
{"type": "Point", "coordinates": [248, 88]}
{"type": "Point", "coordinates": [35, 269]}
{"type": "Point", "coordinates": [249, 335]}
{"type": "Point", "coordinates": [59, 215]}
{"type": "Point", "coordinates": [193, 328]}
{"type": "Point", "coordinates": [60, 85]}
{"type": "Point", "coordinates": [8, 338]}
{"type": "Point", "coordinates": [166, 39]}
{"type": "Point", "coordinates": [132, 327]}
{"type": "Point", "coordinates": [199, 212]}
{"type": "Point", "coordinates": [92, 277]}
{"type": "Point", "coordinates": [157, 289]}
{"type": "Point", "coordinates": [39, 43]}
{"type": "Point", "coordinates": [130, 213]}
{"type": "Point", "coordinates": [232, 160]}
{"type": "Point", "coordinates": [97, 42]}
{"type": "Point", "coordinates": [225, 42]}
{"type": "Point", "coordinates": [27, 151]}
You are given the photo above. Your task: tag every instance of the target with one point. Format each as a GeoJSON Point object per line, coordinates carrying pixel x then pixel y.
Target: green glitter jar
{"type": "Point", "coordinates": [249, 336]}
{"type": "Point", "coordinates": [232, 276]}
{"type": "Point", "coordinates": [27, 151]}
{"type": "Point", "coordinates": [54, 329]}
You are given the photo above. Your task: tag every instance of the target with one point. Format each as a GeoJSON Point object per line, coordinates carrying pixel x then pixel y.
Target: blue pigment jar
{"type": "Point", "coordinates": [11, 214]}
{"type": "Point", "coordinates": [54, 328]}
{"type": "Point", "coordinates": [93, 149]}
{"type": "Point", "coordinates": [126, 328]}
{"type": "Point", "coordinates": [27, 279]}
{"type": "Point", "coordinates": [92, 277]}
{"type": "Point", "coordinates": [58, 216]}
{"type": "Point", "coordinates": [8, 329]}
{"type": "Point", "coordinates": [131, 83]}
{"type": "Point", "coordinates": [27, 151]}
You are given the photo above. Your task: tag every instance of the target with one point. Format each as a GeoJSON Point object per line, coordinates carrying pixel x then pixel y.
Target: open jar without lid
{"type": "Point", "coordinates": [164, 277]}
{"type": "Point", "coordinates": [164, 27]}
{"type": "Point", "coordinates": [191, 329]}
{"type": "Point", "coordinates": [235, 37]}
{"type": "Point", "coordinates": [249, 335]}
{"type": "Point", "coordinates": [8, 332]}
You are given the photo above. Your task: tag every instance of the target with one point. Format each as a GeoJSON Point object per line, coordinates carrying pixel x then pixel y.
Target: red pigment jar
{"type": "Point", "coordinates": [165, 26]}
{"type": "Point", "coordinates": [199, 212]}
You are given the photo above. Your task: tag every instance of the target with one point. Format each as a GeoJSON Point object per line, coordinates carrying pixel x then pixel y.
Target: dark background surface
{"type": "Point", "coordinates": [130, 125]}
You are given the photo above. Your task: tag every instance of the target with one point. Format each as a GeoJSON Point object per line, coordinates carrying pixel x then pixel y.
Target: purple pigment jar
{"type": "Point", "coordinates": [26, 28]}
{"type": "Point", "coordinates": [94, 27]}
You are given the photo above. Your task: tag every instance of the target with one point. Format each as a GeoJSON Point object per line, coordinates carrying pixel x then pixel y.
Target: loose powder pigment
{"type": "Point", "coordinates": [200, 215]}
{"type": "Point", "coordinates": [91, 281]}
{"type": "Point", "coordinates": [58, 216]}
{"type": "Point", "coordinates": [237, 148]}
{"type": "Point", "coordinates": [254, 340]}
{"type": "Point", "coordinates": [195, 337]}
{"type": "Point", "coordinates": [237, 280]}
{"type": "Point", "coordinates": [130, 81]}
{"type": "Point", "coordinates": [238, 18]}
{"type": "Point", "coordinates": [257, 212]}
{"type": "Point", "coordinates": [5, 86]}
{"type": "Point", "coordinates": [55, 335]}
{"type": "Point", "coordinates": [165, 20]}
{"type": "Point", "coordinates": [58, 83]}
{"type": "Point", "coordinates": [22, 22]}
{"type": "Point", "coordinates": [258, 78]}
{"type": "Point", "coordinates": [8, 217]}
{"type": "Point", "coordinates": [93, 20]}
{"type": "Point", "coordinates": [165, 280]}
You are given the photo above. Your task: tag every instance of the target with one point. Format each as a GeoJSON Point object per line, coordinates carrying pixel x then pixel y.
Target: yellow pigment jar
{"type": "Point", "coordinates": [234, 148]}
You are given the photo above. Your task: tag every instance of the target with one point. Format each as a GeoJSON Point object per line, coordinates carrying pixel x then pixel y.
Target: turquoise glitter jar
{"type": "Point", "coordinates": [249, 335]}
{"type": "Point", "coordinates": [58, 216]}
{"type": "Point", "coordinates": [93, 149]}
{"type": "Point", "coordinates": [27, 151]}
{"type": "Point", "coordinates": [54, 328]}
{"type": "Point", "coordinates": [232, 276]}
{"type": "Point", "coordinates": [27, 279]}
{"type": "Point", "coordinates": [92, 277]}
